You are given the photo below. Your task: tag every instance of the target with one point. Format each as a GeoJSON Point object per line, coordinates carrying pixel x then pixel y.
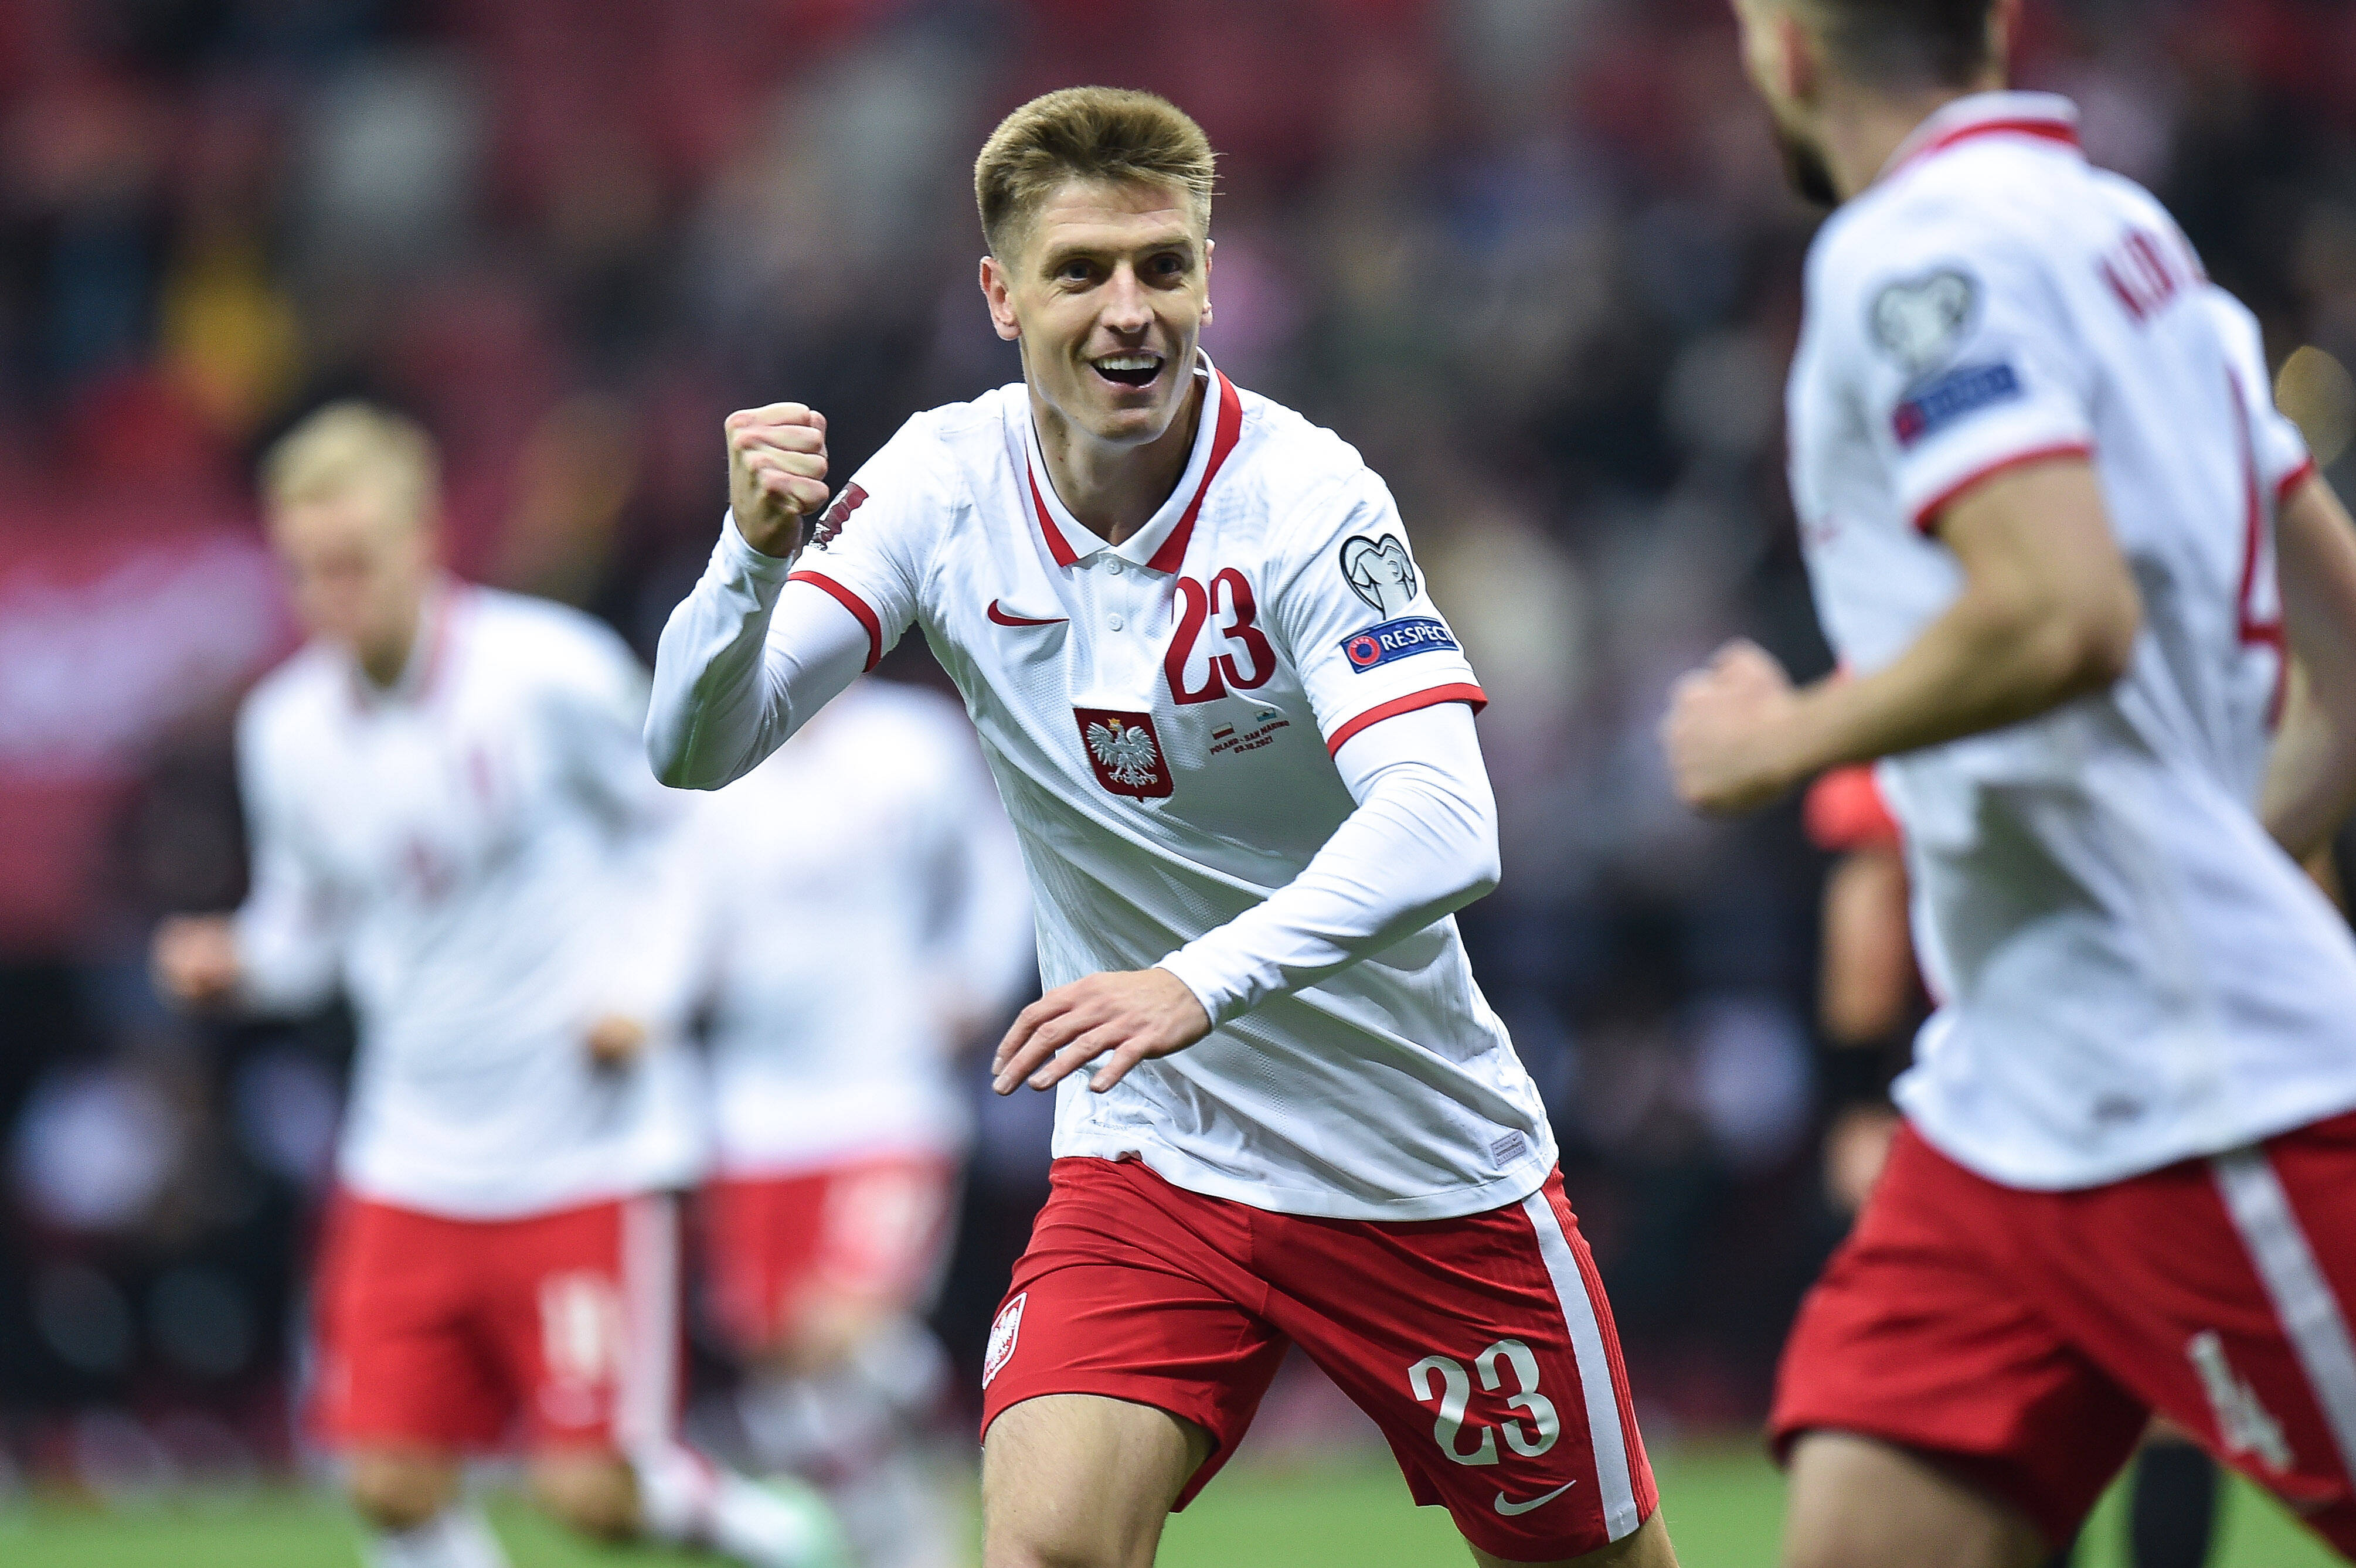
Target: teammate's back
{"type": "Point", "coordinates": [2133, 971]}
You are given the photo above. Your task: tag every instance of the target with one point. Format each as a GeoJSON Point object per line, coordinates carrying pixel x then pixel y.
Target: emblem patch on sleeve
{"type": "Point", "coordinates": [1378, 646]}
{"type": "Point", "coordinates": [1004, 1330]}
{"type": "Point", "coordinates": [1942, 400]}
{"type": "Point", "coordinates": [1381, 572]}
{"type": "Point", "coordinates": [1125, 752]}
{"type": "Point", "coordinates": [1919, 322]}
{"type": "Point", "coordinates": [830, 522]}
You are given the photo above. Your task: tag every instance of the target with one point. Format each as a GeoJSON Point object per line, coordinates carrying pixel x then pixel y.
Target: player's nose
{"type": "Point", "coordinates": [1126, 310]}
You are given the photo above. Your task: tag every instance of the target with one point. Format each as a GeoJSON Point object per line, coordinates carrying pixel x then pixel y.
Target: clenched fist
{"type": "Point", "coordinates": [776, 473]}
{"type": "Point", "coordinates": [1722, 729]}
{"type": "Point", "coordinates": [194, 960]}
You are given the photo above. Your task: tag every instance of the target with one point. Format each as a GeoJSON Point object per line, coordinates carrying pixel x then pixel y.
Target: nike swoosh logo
{"type": "Point", "coordinates": [1004, 619]}
{"type": "Point", "coordinates": [1510, 1509]}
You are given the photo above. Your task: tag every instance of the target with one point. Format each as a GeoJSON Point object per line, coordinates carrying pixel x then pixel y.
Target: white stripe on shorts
{"type": "Point", "coordinates": [2302, 1298]}
{"type": "Point", "coordinates": [1603, 1431]}
{"type": "Point", "coordinates": [642, 1405]}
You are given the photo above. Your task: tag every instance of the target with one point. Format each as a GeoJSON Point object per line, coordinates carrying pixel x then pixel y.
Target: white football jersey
{"type": "Point", "coordinates": [865, 901]}
{"type": "Point", "coordinates": [478, 858]}
{"type": "Point", "coordinates": [2129, 971]}
{"type": "Point", "coordinates": [1161, 716]}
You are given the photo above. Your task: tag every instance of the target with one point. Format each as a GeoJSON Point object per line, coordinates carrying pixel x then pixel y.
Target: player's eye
{"type": "Point", "coordinates": [1078, 270]}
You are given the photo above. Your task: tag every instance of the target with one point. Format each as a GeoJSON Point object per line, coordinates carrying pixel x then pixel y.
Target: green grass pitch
{"type": "Point", "coordinates": [1723, 1507]}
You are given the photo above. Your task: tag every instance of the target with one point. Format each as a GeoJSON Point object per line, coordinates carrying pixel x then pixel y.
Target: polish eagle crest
{"type": "Point", "coordinates": [1127, 752]}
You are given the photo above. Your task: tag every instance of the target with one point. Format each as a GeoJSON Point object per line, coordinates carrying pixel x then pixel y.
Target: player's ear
{"type": "Point", "coordinates": [1795, 62]}
{"type": "Point", "coordinates": [1210, 248]}
{"type": "Point", "coordinates": [1000, 297]}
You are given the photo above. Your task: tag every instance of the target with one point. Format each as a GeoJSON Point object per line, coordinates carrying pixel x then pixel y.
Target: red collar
{"type": "Point", "coordinates": [1171, 554]}
{"type": "Point", "coordinates": [2038, 115]}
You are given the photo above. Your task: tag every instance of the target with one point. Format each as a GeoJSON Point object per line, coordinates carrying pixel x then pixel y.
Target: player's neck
{"type": "Point", "coordinates": [387, 660]}
{"type": "Point", "coordinates": [1863, 127]}
{"type": "Point", "coordinates": [1114, 491]}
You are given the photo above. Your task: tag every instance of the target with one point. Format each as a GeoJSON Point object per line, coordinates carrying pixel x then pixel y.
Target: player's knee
{"type": "Point", "coordinates": [595, 1497]}
{"type": "Point", "coordinates": [1073, 1548]}
{"type": "Point", "coordinates": [397, 1494]}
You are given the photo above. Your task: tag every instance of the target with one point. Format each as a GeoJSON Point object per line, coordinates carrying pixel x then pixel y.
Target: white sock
{"type": "Point", "coordinates": [457, 1536]}
{"type": "Point", "coordinates": [687, 1501]}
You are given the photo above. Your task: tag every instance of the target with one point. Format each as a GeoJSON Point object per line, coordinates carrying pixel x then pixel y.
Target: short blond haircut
{"type": "Point", "coordinates": [348, 445]}
{"type": "Point", "coordinates": [1109, 133]}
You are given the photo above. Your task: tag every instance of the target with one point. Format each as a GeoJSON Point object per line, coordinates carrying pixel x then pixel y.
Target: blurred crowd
{"type": "Point", "coordinates": [1534, 257]}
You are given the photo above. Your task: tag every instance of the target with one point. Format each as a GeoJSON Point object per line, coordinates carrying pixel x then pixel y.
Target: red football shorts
{"type": "Point", "coordinates": [2018, 1339]}
{"type": "Point", "coordinates": [1482, 1346]}
{"type": "Point", "coordinates": [555, 1330]}
{"type": "Point", "coordinates": [877, 1229]}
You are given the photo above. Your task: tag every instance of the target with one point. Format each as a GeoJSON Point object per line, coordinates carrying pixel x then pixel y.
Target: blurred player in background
{"type": "Point", "coordinates": [2043, 488]}
{"type": "Point", "coordinates": [452, 823]}
{"type": "Point", "coordinates": [1869, 1000]}
{"type": "Point", "coordinates": [869, 914]}
{"type": "Point", "coordinates": [1237, 739]}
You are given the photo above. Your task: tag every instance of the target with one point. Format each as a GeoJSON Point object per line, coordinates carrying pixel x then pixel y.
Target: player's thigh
{"type": "Point", "coordinates": [1930, 1334]}
{"type": "Point", "coordinates": [1083, 1481]}
{"type": "Point", "coordinates": [1483, 1348]}
{"type": "Point", "coordinates": [2222, 1291]}
{"type": "Point", "coordinates": [398, 1487]}
{"type": "Point", "coordinates": [589, 1489]}
{"type": "Point", "coordinates": [400, 1364]}
{"type": "Point", "coordinates": [1859, 1502]}
{"type": "Point", "coordinates": [584, 1319]}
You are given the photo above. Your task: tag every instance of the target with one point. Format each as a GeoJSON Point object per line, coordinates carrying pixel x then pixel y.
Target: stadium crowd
{"type": "Point", "coordinates": [1531, 255]}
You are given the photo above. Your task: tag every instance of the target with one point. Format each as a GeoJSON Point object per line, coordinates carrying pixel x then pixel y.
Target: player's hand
{"type": "Point", "coordinates": [776, 473]}
{"type": "Point", "coordinates": [1857, 1146]}
{"type": "Point", "coordinates": [615, 1041]}
{"type": "Point", "coordinates": [193, 959]}
{"type": "Point", "coordinates": [1135, 1014]}
{"type": "Point", "coordinates": [1723, 730]}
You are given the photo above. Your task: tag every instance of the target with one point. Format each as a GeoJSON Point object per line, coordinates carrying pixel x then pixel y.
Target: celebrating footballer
{"type": "Point", "coordinates": [1236, 738]}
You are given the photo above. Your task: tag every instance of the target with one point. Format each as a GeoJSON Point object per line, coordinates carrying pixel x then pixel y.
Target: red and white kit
{"type": "Point", "coordinates": [478, 858]}
{"type": "Point", "coordinates": [1237, 746]}
{"type": "Point", "coordinates": [2144, 1018]}
{"type": "Point", "coordinates": [845, 966]}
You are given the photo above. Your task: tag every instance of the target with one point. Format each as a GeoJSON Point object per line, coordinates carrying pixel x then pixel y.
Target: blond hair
{"type": "Point", "coordinates": [346, 445]}
{"type": "Point", "coordinates": [1090, 133]}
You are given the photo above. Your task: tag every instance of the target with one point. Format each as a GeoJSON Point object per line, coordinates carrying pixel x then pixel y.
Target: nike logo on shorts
{"type": "Point", "coordinates": [1004, 619]}
{"type": "Point", "coordinates": [1510, 1509]}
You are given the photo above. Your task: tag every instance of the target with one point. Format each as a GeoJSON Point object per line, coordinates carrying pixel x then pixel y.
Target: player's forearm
{"type": "Point", "coordinates": [1994, 658]}
{"type": "Point", "coordinates": [284, 967]}
{"type": "Point", "coordinates": [732, 677]}
{"type": "Point", "coordinates": [2311, 784]}
{"type": "Point", "coordinates": [1422, 845]}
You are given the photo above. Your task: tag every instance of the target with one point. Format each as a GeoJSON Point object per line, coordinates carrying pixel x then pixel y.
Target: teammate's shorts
{"type": "Point", "coordinates": [555, 1330]}
{"type": "Point", "coordinates": [1482, 1346]}
{"type": "Point", "coordinates": [2018, 1338]}
{"type": "Point", "coordinates": [876, 1228]}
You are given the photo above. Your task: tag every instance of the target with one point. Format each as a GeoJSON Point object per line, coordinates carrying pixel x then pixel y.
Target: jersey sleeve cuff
{"type": "Point", "coordinates": [1926, 515]}
{"type": "Point", "coordinates": [2290, 483]}
{"type": "Point", "coordinates": [1219, 1002]}
{"type": "Point", "coordinates": [741, 556]}
{"type": "Point", "coordinates": [1429, 696]}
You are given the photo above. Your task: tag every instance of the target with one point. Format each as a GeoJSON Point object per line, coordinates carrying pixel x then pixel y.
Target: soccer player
{"type": "Point", "coordinates": [2043, 493]}
{"type": "Point", "coordinates": [452, 824]}
{"type": "Point", "coordinates": [1236, 738]}
{"type": "Point", "coordinates": [850, 965]}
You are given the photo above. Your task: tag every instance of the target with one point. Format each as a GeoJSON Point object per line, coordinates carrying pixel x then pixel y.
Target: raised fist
{"type": "Point", "coordinates": [776, 473]}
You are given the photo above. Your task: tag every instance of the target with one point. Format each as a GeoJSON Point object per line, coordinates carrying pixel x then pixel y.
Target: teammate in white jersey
{"type": "Point", "coordinates": [1236, 738]}
{"type": "Point", "coordinates": [2043, 491]}
{"type": "Point", "coordinates": [452, 824]}
{"type": "Point", "coordinates": [850, 963]}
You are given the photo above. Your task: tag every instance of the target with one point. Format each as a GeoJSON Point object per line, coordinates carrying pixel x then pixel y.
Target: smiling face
{"type": "Point", "coordinates": [1106, 289]}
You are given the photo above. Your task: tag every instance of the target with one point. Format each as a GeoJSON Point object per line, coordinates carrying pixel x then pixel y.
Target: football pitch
{"type": "Point", "coordinates": [1724, 1505]}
